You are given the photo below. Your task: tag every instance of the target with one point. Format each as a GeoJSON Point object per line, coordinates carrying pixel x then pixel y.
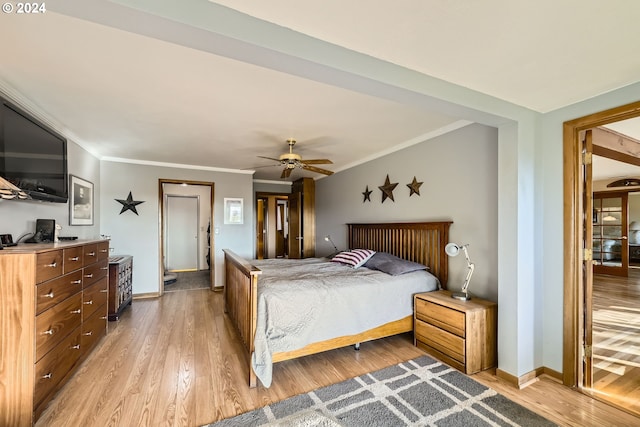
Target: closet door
{"type": "Point", "coordinates": [295, 223]}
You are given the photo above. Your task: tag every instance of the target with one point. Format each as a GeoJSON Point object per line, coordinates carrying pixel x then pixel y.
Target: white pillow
{"type": "Point", "coordinates": [354, 258]}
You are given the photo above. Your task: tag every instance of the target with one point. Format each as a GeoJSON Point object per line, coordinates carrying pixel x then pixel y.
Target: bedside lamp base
{"type": "Point", "coordinates": [461, 296]}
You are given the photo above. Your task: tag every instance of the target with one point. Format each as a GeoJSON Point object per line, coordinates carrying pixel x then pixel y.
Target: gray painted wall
{"type": "Point", "coordinates": [459, 171]}
{"type": "Point", "coordinates": [138, 235]}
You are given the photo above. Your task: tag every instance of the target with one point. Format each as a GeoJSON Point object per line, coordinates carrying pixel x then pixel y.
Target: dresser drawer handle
{"type": "Point", "coordinates": [104, 268]}
{"type": "Point", "coordinates": [75, 347]}
{"type": "Point", "coordinates": [48, 332]}
{"type": "Point", "coordinates": [76, 282]}
{"type": "Point", "coordinates": [75, 258]}
{"type": "Point", "coordinates": [89, 302]}
{"type": "Point", "coordinates": [49, 295]}
{"type": "Point", "coordinates": [78, 311]}
{"type": "Point", "coordinates": [47, 376]}
{"type": "Point", "coordinates": [103, 317]}
{"type": "Point", "coordinates": [88, 276]}
{"type": "Point", "coordinates": [88, 334]}
{"type": "Point", "coordinates": [103, 250]}
{"type": "Point", "coordinates": [53, 264]}
{"type": "Point", "coordinates": [104, 291]}
{"type": "Point", "coordinates": [91, 254]}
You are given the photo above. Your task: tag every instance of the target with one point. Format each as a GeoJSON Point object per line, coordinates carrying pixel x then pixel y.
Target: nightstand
{"type": "Point", "coordinates": [462, 334]}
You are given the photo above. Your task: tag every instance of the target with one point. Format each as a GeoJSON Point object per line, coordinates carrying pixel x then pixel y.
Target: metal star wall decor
{"type": "Point", "coordinates": [129, 204]}
{"type": "Point", "coordinates": [414, 187]}
{"type": "Point", "coordinates": [367, 194]}
{"type": "Point", "coordinates": [387, 189]}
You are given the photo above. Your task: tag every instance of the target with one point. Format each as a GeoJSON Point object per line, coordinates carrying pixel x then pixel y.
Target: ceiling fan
{"type": "Point", "coordinates": [290, 161]}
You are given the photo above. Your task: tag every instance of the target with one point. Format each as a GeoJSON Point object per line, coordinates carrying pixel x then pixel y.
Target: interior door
{"type": "Point", "coordinates": [295, 224]}
{"type": "Point", "coordinates": [588, 267]}
{"type": "Point", "coordinates": [610, 242]}
{"type": "Point", "coordinates": [261, 228]}
{"type": "Point", "coordinates": [182, 233]}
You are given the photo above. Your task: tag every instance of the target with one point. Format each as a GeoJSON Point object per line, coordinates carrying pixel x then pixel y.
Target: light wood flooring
{"type": "Point", "coordinates": [175, 361]}
{"type": "Point", "coordinates": [616, 339]}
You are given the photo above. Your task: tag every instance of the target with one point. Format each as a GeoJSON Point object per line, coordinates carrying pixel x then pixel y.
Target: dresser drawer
{"type": "Point", "coordinates": [72, 258]}
{"type": "Point", "coordinates": [54, 291]}
{"type": "Point", "coordinates": [52, 368]}
{"type": "Point", "coordinates": [53, 325]}
{"type": "Point", "coordinates": [93, 329]}
{"type": "Point", "coordinates": [440, 316]}
{"type": "Point", "coordinates": [443, 341]}
{"type": "Point", "coordinates": [103, 251]}
{"type": "Point", "coordinates": [48, 265]}
{"type": "Point", "coordinates": [94, 297]}
{"type": "Point", "coordinates": [90, 254]}
{"type": "Point", "coordinates": [94, 272]}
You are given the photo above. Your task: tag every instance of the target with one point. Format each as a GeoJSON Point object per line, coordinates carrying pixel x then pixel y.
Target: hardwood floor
{"type": "Point", "coordinates": [174, 362]}
{"type": "Point", "coordinates": [616, 339]}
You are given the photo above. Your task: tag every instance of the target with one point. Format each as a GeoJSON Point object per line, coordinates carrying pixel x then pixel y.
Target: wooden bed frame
{"type": "Point", "coordinates": [421, 242]}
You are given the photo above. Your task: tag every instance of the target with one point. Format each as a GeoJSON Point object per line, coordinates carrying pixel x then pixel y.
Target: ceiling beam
{"type": "Point", "coordinates": [616, 146]}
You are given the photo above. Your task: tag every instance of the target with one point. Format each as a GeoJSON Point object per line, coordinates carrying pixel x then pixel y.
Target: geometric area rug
{"type": "Point", "coordinates": [420, 392]}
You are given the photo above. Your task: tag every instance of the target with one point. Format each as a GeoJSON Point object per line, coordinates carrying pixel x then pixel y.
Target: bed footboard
{"type": "Point", "coordinates": [241, 301]}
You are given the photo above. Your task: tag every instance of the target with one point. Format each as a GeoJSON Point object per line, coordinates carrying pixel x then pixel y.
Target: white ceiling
{"type": "Point", "coordinates": [128, 84]}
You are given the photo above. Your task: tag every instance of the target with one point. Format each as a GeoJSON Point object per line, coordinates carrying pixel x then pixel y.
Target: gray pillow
{"type": "Point", "coordinates": [391, 264]}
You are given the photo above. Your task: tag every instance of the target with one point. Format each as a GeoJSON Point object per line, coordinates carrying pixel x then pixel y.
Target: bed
{"type": "Point", "coordinates": [247, 305]}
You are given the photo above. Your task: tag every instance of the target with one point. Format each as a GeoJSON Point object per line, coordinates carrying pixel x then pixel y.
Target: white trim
{"type": "Point", "coordinates": [175, 165]}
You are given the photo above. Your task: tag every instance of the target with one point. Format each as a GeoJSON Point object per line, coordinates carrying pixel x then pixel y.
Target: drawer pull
{"type": "Point", "coordinates": [76, 282]}
{"type": "Point", "coordinates": [88, 334]}
{"type": "Point", "coordinates": [103, 251]}
{"type": "Point", "coordinates": [75, 347]}
{"type": "Point", "coordinates": [78, 311]}
{"type": "Point", "coordinates": [88, 276]}
{"type": "Point", "coordinates": [104, 291]}
{"type": "Point", "coordinates": [104, 268]}
{"type": "Point", "coordinates": [75, 258]}
{"type": "Point", "coordinates": [91, 254]}
{"type": "Point", "coordinates": [47, 376]}
{"type": "Point", "coordinates": [53, 264]}
{"type": "Point", "coordinates": [48, 332]}
{"type": "Point", "coordinates": [49, 295]}
{"type": "Point", "coordinates": [103, 317]}
{"type": "Point", "coordinates": [89, 302]}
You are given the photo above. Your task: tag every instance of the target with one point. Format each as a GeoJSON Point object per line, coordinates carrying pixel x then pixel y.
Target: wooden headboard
{"type": "Point", "coordinates": [421, 242]}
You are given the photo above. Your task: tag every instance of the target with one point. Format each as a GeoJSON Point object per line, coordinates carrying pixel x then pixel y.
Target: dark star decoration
{"type": "Point", "coordinates": [367, 194]}
{"type": "Point", "coordinates": [387, 189]}
{"type": "Point", "coordinates": [129, 204]}
{"type": "Point", "coordinates": [414, 187]}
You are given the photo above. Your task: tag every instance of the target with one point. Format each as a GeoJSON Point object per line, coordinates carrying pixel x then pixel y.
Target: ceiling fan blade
{"type": "Point", "coordinates": [271, 158]}
{"type": "Point", "coordinates": [317, 162]}
{"type": "Point", "coordinates": [286, 173]}
{"type": "Point", "coordinates": [315, 169]}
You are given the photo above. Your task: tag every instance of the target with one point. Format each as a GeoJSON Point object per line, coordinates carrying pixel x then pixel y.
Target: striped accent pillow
{"type": "Point", "coordinates": [354, 258]}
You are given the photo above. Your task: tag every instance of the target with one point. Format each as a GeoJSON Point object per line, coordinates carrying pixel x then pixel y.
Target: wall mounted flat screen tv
{"type": "Point", "coordinates": [32, 156]}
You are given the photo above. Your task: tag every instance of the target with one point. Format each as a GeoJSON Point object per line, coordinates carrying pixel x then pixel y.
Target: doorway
{"type": "Point", "coordinates": [178, 198]}
{"type": "Point", "coordinates": [272, 225]}
{"type": "Point", "coordinates": [581, 247]}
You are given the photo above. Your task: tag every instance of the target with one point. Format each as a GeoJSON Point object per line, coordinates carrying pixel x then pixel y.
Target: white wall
{"type": "Point", "coordinates": [459, 171]}
{"type": "Point", "coordinates": [138, 235]}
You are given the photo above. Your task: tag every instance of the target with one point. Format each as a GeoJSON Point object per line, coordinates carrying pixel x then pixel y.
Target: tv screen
{"type": "Point", "coordinates": [32, 157]}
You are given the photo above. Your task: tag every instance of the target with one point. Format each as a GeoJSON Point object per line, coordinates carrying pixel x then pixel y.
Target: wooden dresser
{"type": "Point", "coordinates": [460, 333]}
{"type": "Point", "coordinates": [53, 311]}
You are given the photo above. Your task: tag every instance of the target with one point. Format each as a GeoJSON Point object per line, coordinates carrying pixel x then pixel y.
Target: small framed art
{"type": "Point", "coordinates": [80, 201]}
{"type": "Point", "coordinates": [233, 213]}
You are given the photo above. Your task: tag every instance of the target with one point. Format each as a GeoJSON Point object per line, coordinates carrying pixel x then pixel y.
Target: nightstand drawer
{"type": "Point", "coordinates": [442, 317]}
{"type": "Point", "coordinates": [443, 341]}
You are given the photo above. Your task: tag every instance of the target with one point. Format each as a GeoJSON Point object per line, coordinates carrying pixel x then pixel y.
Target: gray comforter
{"type": "Point", "coordinates": [311, 300]}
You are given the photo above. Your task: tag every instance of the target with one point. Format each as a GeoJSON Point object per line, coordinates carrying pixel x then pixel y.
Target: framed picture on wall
{"type": "Point", "coordinates": [80, 201]}
{"type": "Point", "coordinates": [233, 213]}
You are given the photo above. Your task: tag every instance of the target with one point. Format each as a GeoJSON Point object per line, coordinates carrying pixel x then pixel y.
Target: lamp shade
{"type": "Point", "coordinates": [8, 191]}
{"type": "Point", "coordinates": [634, 225]}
